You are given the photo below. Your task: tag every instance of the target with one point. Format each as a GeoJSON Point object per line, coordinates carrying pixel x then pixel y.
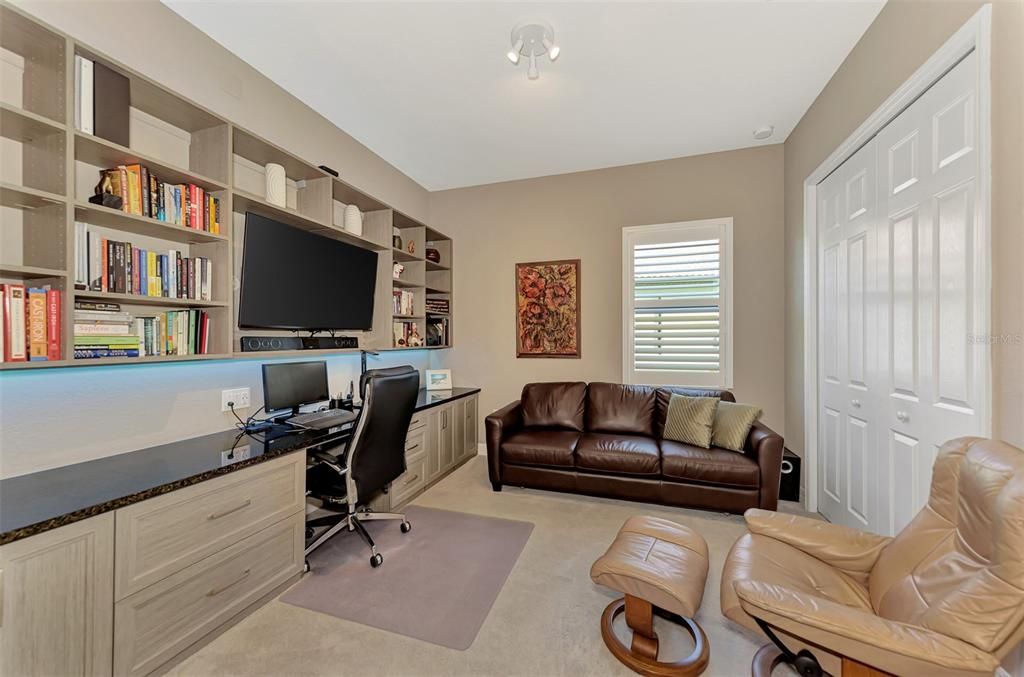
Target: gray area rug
{"type": "Point", "coordinates": [437, 583]}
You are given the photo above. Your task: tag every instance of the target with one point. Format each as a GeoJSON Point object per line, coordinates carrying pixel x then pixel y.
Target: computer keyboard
{"type": "Point", "coordinates": [319, 420]}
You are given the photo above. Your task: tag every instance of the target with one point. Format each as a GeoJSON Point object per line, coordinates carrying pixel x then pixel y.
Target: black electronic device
{"type": "Point", "coordinates": [789, 484]}
{"type": "Point", "coordinates": [293, 384]}
{"type": "Point", "coordinates": [252, 344]}
{"type": "Point", "coordinates": [295, 279]}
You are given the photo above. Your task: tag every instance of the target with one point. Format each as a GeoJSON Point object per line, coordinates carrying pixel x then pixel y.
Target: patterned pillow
{"type": "Point", "coordinates": [690, 420]}
{"type": "Point", "coordinates": [732, 424]}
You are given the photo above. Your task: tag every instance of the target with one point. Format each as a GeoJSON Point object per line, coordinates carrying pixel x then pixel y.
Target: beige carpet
{"type": "Point", "coordinates": [544, 622]}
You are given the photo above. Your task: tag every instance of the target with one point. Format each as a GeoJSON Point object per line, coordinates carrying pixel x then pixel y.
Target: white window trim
{"type": "Point", "coordinates": [633, 235]}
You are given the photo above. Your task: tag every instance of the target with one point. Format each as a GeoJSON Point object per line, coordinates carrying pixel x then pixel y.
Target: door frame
{"type": "Point", "coordinates": [974, 35]}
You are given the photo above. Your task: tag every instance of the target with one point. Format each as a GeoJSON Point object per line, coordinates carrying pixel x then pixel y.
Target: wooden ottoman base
{"type": "Point", "coordinates": [642, 655]}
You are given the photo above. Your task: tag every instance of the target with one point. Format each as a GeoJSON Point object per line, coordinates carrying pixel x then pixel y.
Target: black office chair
{"type": "Point", "coordinates": [373, 458]}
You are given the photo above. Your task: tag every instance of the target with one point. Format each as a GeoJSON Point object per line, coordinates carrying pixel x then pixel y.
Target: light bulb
{"type": "Point", "coordinates": [553, 49]}
{"type": "Point", "coordinates": [533, 73]}
{"type": "Point", "coordinates": [513, 54]}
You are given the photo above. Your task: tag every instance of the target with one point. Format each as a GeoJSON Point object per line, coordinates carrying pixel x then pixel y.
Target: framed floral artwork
{"type": "Point", "coordinates": [548, 309]}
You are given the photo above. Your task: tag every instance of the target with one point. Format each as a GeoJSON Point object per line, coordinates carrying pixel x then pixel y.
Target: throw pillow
{"type": "Point", "coordinates": [690, 420]}
{"type": "Point", "coordinates": [732, 424]}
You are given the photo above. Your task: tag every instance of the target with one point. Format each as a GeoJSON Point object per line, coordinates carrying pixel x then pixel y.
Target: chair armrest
{"type": "Point", "coordinates": [891, 646]}
{"type": "Point", "coordinates": [498, 425]}
{"type": "Point", "coordinates": [333, 462]}
{"type": "Point", "coordinates": [852, 551]}
{"type": "Point", "coordinates": [764, 445]}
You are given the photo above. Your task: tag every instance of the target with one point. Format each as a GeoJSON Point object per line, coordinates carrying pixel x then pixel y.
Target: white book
{"type": "Point", "coordinates": [140, 330]}
{"type": "Point", "coordinates": [100, 329]}
{"type": "Point", "coordinates": [207, 280]}
{"type": "Point", "coordinates": [81, 256]}
{"type": "Point", "coordinates": [3, 309]}
{"type": "Point", "coordinates": [95, 243]}
{"type": "Point", "coordinates": [172, 273]}
{"type": "Point", "coordinates": [85, 106]}
{"type": "Point", "coordinates": [102, 316]}
{"type": "Point", "coordinates": [78, 92]}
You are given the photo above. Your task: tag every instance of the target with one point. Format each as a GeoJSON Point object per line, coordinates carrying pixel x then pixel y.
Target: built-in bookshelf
{"type": "Point", "coordinates": [51, 167]}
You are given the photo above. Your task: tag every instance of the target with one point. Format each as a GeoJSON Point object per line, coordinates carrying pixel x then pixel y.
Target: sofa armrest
{"type": "Point", "coordinates": [897, 648]}
{"type": "Point", "coordinates": [498, 426]}
{"type": "Point", "coordinates": [764, 445]}
{"type": "Point", "coordinates": [852, 551]}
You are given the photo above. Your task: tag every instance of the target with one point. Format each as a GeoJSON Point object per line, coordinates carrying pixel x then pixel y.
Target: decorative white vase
{"type": "Point", "coordinates": [353, 220]}
{"type": "Point", "coordinates": [339, 213]}
{"type": "Point", "coordinates": [277, 192]}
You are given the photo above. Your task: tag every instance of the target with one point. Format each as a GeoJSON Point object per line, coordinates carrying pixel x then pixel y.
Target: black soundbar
{"type": "Point", "coordinates": [252, 344]}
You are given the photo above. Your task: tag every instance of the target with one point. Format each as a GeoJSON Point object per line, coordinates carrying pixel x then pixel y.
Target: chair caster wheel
{"type": "Point", "coordinates": [309, 532]}
{"type": "Point", "coordinates": [405, 527]}
{"type": "Point", "coordinates": [376, 560]}
{"type": "Point", "coordinates": [305, 567]}
{"type": "Point", "coordinates": [806, 665]}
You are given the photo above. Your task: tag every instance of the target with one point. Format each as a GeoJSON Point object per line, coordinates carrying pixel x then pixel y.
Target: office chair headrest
{"type": "Point", "coordinates": [382, 373]}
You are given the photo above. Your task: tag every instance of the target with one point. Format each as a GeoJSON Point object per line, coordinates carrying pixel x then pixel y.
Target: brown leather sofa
{"type": "Point", "coordinates": [604, 439]}
{"type": "Point", "coordinates": [944, 598]}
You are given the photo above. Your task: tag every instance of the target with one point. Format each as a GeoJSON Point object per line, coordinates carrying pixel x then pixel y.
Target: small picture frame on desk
{"type": "Point", "coordinates": [439, 379]}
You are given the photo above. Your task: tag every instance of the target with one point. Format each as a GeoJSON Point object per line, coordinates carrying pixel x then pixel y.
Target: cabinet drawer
{"type": "Point", "coordinates": [419, 420]}
{"type": "Point", "coordinates": [415, 443]}
{"type": "Point", "coordinates": [162, 535]}
{"type": "Point", "coordinates": [156, 624]}
{"type": "Point", "coordinates": [403, 488]}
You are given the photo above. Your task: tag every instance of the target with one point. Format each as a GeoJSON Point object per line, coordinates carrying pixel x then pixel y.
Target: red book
{"type": "Point", "coordinates": [204, 343]}
{"type": "Point", "coordinates": [193, 191]}
{"type": "Point", "coordinates": [53, 325]}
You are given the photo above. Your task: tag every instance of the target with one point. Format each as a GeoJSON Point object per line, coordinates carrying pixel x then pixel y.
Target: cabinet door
{"type": "Point", "coordinates": [433, 441]}
{"type": "Point", "coordinates": [470, 427]}
{"type": "Point", "coordinates": [58, 601]}
{"type": "Point", "coordinates": [446, 439]}
{"type": "Point", "coordinates": [459, 431]}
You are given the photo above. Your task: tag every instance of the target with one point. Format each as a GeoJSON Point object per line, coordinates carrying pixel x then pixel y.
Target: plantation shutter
{"type": "Point", "coordinates": [676, 320]}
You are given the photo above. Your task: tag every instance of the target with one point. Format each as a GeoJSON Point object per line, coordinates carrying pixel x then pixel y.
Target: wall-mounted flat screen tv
{"type": "Point", "coordinates": [295, 279]}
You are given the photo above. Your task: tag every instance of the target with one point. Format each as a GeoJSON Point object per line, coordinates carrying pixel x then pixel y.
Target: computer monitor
{"type": "Point", "coordinates": [293, 384]}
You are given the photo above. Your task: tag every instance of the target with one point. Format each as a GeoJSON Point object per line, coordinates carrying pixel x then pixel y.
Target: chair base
{"type": "Point", "coordinates": [769, 656]}
{"type": "Point", "coordinates": [642, 656]}
{"type": "Point", "coordinates": [352, 522]}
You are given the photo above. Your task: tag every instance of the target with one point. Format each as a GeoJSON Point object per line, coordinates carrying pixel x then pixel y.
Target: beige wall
{"type": "Point", "coordinates": [898, 42]}
{"type": "Point", "coordinates": [581, 215]}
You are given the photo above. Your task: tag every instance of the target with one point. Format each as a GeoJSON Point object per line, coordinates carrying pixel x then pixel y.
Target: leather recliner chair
{"type": "Point", "coordinates": [944, 597]}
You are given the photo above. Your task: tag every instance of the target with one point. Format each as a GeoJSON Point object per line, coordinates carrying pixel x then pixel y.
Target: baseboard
{"type": "Point", "coordinates": [481, 449]}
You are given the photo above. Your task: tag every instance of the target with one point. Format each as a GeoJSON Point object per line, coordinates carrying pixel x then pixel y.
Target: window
{"type": "Point", "coordinates": [677, 304]}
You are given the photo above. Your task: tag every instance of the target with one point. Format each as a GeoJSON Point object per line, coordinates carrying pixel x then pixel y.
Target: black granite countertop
{"type": "Point", "coordinates": [37, 502]}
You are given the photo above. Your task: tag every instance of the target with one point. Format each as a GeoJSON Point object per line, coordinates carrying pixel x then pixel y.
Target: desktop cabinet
{"type": "Point", "coordinates": [438, 441]}
{"type": "Point", "coordinates": [57, 601]}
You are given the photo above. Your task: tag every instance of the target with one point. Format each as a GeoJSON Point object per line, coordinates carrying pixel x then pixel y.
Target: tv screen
{"type": "Point", "coordinates": [294, 279]}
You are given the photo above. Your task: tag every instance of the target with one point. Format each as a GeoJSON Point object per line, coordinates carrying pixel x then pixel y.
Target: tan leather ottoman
{"type": "Point", "coordinates": [660, 567]}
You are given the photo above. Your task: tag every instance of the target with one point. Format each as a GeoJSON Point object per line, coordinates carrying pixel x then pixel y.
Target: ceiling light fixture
{"type": "Point", "coordinates": [532, 40]}
{"type": "Point", "coordinates": [762, 133]}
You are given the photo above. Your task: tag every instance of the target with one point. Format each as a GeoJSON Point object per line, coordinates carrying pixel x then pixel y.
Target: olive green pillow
{"type": "Point", "coordinates": [732, 424]}
{"type": "Point", "coordinates": [690, 420]}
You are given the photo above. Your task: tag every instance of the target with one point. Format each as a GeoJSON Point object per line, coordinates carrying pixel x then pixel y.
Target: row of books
{"type": "Point", "coordinates": [103, 330]}
{"type": "Point", "coordinates": [437, 332]}
{"type": "Point", "coordinates": [143, 194]}
{"type": "Point", "coordinates": [407, 335]}
{"type": "Point", "coordinates": [403, 302]}
{"type": "Point", "coordinates": [109, 266]}
{"type": "Point", "coordinates": [437, 305]}
{"type": "Point", "coordinates": [30, 321]}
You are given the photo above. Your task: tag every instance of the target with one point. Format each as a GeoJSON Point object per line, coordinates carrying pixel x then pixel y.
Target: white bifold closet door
{"type": "Point", "coordinates": [902, 264]}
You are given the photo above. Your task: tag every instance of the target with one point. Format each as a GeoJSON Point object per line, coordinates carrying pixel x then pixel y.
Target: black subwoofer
{"type": "Point", "coordinates": [789, 486]}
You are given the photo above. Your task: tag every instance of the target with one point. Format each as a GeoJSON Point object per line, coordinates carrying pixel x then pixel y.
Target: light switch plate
{"type": "Point", "coordinates": [240, 396]}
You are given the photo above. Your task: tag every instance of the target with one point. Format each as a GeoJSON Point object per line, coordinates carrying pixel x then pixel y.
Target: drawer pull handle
{"type": "Point", "coordinates": [218, 515]}
{"type": "Point", "coordinates": [217, 591]}
{"type": "Point", "coordinates": [411, 480]}
{"type": "Point", "coordinates": [415, 446]}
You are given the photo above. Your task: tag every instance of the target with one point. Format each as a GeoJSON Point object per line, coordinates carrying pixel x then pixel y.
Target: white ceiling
{"type": "Point", "coordinates": [426, 85]}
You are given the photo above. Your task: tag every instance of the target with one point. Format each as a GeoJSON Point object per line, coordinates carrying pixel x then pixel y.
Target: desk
{"type": "Point", "coordinates": [98, 557]}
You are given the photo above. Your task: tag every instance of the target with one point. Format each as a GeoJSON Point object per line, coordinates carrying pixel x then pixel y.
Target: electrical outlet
{"type": "Point", "coordinates": [240, 396]}
{"type": "Point", "coordinates": [229, 456]}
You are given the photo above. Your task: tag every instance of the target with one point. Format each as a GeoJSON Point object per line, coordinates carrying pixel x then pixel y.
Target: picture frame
{"type": "Point", "coordinates": [439, 379]}
{"type": "Point", "coordinates": [548, 305]}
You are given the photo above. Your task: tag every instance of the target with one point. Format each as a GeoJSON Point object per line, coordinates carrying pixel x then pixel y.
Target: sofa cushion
{"type": "Point", "coordinates": [613, 453]}
{"type": "Point", "coordinates": [540, 447]}
{"type": "Point", "coordinates": [616, 408]}
{"type": "Point", "coordinates": [732, 424]}
{"type": "Point", "coordinates": [663, 395]}
{"type": "Point", "coordinates": [690, 420]}
{"type": "Point", "coordinates": [710, 466]}
{"type": "Point", "coordinates": [554, 405]}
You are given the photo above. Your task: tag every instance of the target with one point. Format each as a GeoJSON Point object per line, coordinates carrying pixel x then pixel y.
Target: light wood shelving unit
{"type": "Point", "coordinates": [50, 170]}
